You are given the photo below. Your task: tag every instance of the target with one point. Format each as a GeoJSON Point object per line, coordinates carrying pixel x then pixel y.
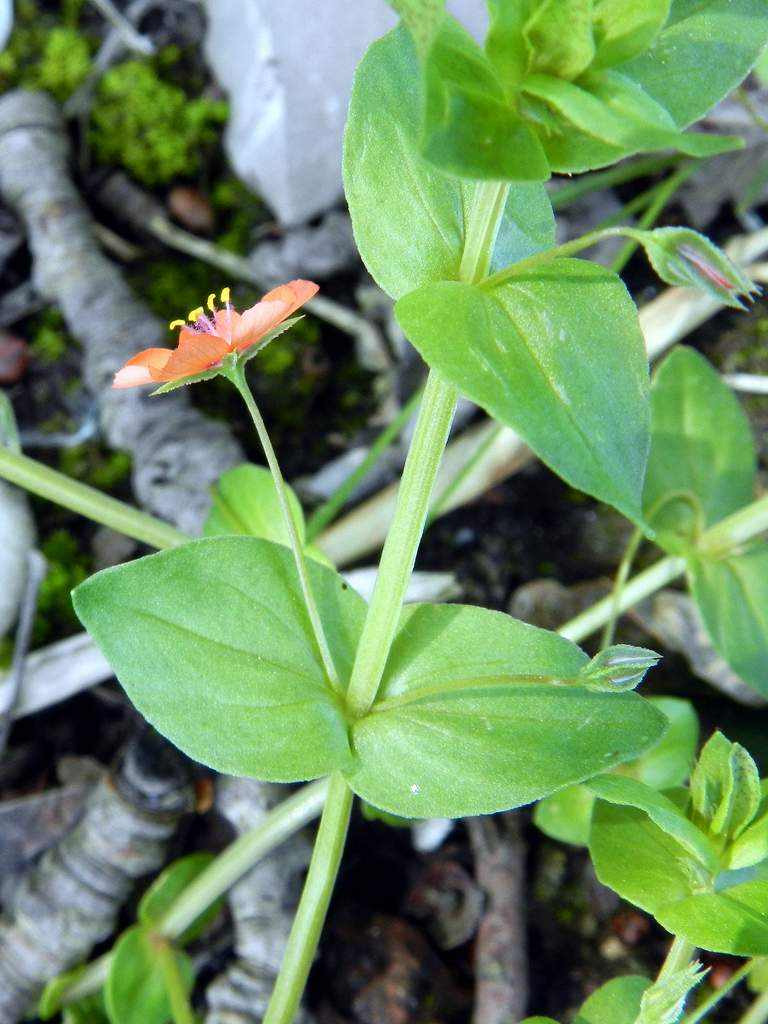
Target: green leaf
{"type": "Point", "coordinates": [615, 1002]}
{"type": "Point", "coordinates": [396, 196]}
{"type": "Point", "coordinates": [135, 989]}
{"type": "Point", "coordinates": [625, 28]}
{"type": "Point", "coordinates": [244, 501]}
{"type": "Point", "coordinates": [49, 1003]}
{"type": "Point", "coordinates": [725, 787]}
{"type": "Point", "coordinates": [504, 42]}
{"type": "Point", "coordinates": [650, 865]}
{"type": "Point", "coordinates": [213, 645]}
{"type": "Point", "coordinates": [539, 1020]}
{"type": "Point", "coordinates": [661, 811]}
{"type": "Point", "coordinates": [761, 70]}
{"type": "Point", "coordinates": [685, 258]}
{"type": "Point", "coordinates": [557, 355]}
{"type": "Point", "coordinates": [607, 109]}
{"type": "Point", "coordinates": [732, 922]}
{"type": "Point", "coordinates": [90, 1010]}
{"type": "Point", "coordinates": [752, 845]}
{"type": "Point", "coordinates": [559, 35]}
{"type": "Point", "coordinates": [566, 815]}
{"type": "Point", "coordinates": [470, 128]}
{"type": "Point", "coordinates": [732, 596]}
{"type": "Point", "coordinates": [757, 979]}
{"type": "Point", "coordinates": [705, 50]}
{"type": "Point", "coordinates": [422, 18]}
{"type": "Point", "coordinates": [668, 763]}
{"type": "Point", "coordinates": [158, 899]}
{"type": "Point", "coordinates": [639, 860]}
{"type": "Point", "coordinates": [702, 462]}
{"type": "Point", "coordinates": [468, 720]}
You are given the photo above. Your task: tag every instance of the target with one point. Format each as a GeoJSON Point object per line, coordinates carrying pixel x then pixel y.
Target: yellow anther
{"type": "Point", "coordinates": [195, 314]}
{"type": "Point", "coordinates": [225, 295]}
{"type": "Point", "coordinates": [212, 302]}
{"type": "Point", "coordinates": [176, 323]}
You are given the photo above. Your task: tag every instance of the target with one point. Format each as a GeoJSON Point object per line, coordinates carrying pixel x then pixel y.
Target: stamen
{"type": "Point", "coordinates": [211, 302]}
{"type": "Point", "coordinates": [176, 323]}
{"type": "Point", "coordinates": [225, 296]}
{"type": "Point", "coordinates": [195, 314]}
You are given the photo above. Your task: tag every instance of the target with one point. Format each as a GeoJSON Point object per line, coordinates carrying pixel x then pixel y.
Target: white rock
{"type": "Point", "coordinates": [288, 69]}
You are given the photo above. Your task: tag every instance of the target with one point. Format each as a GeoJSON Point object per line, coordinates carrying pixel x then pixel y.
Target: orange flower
{"type": "Point", "coordinates": [210, 337]}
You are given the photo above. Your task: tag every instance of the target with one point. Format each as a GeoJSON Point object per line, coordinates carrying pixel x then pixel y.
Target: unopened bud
{"type": "Point", "coordinates": [619, 667]}
{"type": "Point", "coordinates": [687, 259]}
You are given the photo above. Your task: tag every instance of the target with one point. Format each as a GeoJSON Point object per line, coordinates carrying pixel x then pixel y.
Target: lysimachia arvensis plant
{"type": "Point", "coordinates": [252, 654]}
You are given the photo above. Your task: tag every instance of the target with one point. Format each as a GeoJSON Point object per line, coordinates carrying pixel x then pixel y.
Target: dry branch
{"type": "Point", "coordinates": [71, 899]}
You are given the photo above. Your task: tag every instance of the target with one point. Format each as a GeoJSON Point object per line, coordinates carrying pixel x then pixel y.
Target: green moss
{"type": "Point", "coordinates": [43, 53]}
{"type": "Point", "coordinates": [68, 566]}
{"type": "Point", "coordinates": [48, 337]}
{"type": "Point", "coordinates": [65, 62]}
{"type": "Point", "coordinates": [150, 126]}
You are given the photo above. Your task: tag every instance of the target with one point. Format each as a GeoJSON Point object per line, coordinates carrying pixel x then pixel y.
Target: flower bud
{"type": "Point", "coordinates": [687, 259]}
{"type": "Point", "coordinates": [619, 667]}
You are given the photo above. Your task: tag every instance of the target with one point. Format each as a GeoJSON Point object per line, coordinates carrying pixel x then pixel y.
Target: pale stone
{"type": "Point", "coordinates": [287, 68]}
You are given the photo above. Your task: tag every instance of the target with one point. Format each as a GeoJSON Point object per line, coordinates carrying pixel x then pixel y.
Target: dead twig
{"type": "Point", "coordinates": [501, 958]}
{"type": "Point", "coordinates": [70, 900]}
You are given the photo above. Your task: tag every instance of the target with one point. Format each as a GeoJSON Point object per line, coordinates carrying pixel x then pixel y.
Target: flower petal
{"type": "Point", "coordinates": [258, 321]}
{"type": "Point", "coordinates": [196, 352]}
{"type": "Point", "coordinates": [226, 321]}
{"type": "Point", "coordinates": [296, 293]}
{"type": "Point", "coordinates": [141, 368]}
{"type": "Point", "coordinates": [275, 307]}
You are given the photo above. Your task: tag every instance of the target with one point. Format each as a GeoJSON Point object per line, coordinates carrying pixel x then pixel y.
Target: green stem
{"type": "Point", "coordinates": [653, 212]}
{"type": "Point", "coordinates": [556, 252]}
{"type": "Point", "coordinates": [275, 827]}
{"type": "Point", "coordinates": [638, 588]}
{"type": "Point", "coordinates": [715, 997]}
{"type": "Point", "coordinates": [622, 575]}
{"type": "Point", "coordinates": [482, 226]}
{"type": "Point", "coordinates": [460, 686]}
{"type": "Point", "coordinates": [678, 957]}
{"type": "Point", "coordinates": [757, 1012]}
{"type": "Point", "coordinates": [33, 476]}
{"type": "Point", "coordinates": [424, 455]}
{"type": "Point", "coordinates": [399, 552]}
{"type": "Point", "coordinates": [313, 905]}
{"type": "Point", "coordinates": [726, 536]}
{"type": "Point", "coordinates": [736, 529]}
{"type": "Point", "coordinates": [178, 999]}
{"type": "Point", "coordinates": [326, 512]}
{"type": "Point", "coordinates": [238, 379]}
